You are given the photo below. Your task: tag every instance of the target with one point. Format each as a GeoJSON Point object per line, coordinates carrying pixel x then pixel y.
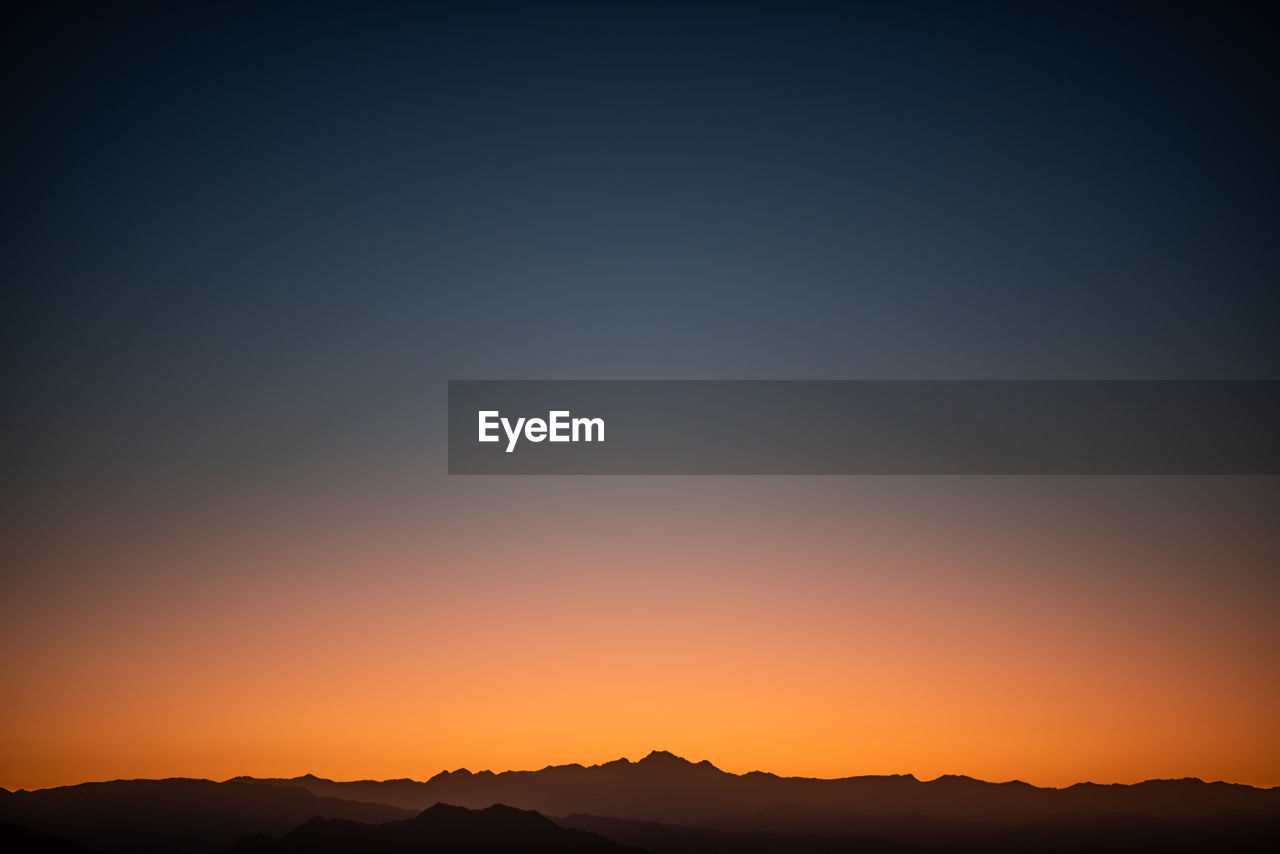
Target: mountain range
{"type": "Point", "coordinates": [662, 804]}
{"type": "Point", "coordinates": [442, 828]}
{"type": "Point", "coordinates": [175, 815]}
{"type": "Point", "coordinates": [667, 788]}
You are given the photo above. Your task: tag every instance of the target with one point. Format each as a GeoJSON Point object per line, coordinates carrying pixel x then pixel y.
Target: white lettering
{"type": "Point", "coordinates": [558, 427]}
{"type": "Point", "coordinates": [587, 424]}
{"type": "Point", "coordinates": [488, 421]}
{"type": "Point", "coordinates": [512, 434]}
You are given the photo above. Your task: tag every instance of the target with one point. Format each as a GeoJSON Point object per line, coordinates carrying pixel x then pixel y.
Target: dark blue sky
{"type": "Point", "coordinates": [246, 245]}
{"type": "Point", "coordinates": [263, 230]}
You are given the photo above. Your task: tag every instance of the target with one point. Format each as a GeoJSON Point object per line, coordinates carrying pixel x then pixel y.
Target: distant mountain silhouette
{"type": "Point", "coordinates": [442, 829]}
{"type": "Point", "coordinates": [175, 816]}
{"type": "Point", "coordinates": [666, 788]}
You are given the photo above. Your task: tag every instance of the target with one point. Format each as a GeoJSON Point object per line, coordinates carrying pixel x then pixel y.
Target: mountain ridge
{"type": "Point", "coordinates": [177, 814]}
{"type": "Point", "coordinates": [665, 804]}
{"type": "Point", "coordinates": [442, 828]}
{"type": "Point", "coordinates": [663, 786]}
{"type": "Point", "coordinates": [649, 759]}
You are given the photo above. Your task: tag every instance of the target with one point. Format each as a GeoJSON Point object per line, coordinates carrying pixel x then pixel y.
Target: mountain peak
{"type": "Point", "coordinates": [666, 760]}
{"type": "Point", "coordinates": [496, 816]}
{"type": "Point", "coordinates": [459, 774]}
{"type": "Point", "coordinates": [439, 810]}
{"type": "Point", "coordinates": [663, 757]}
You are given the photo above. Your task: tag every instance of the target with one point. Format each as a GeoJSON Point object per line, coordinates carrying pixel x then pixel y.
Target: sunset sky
{"type": "Point", "coordinates": [248, 246]}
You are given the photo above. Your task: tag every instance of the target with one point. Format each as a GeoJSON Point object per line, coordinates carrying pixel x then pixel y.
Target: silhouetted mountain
{"type": "Point", "coordinates": [15, 838]}
{"type": "Point", "coordinates": [442, 829]}
{"type": "Point", "coordinates": [663, 787]}
{"type": "Point", "coordinates": [663, 803]}
{"type": "Point", "coordinates": [175, 816]}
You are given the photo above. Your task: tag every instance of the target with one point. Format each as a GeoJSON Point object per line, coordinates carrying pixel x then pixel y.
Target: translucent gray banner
{"type": "Point", "coordinates": [720, 427]}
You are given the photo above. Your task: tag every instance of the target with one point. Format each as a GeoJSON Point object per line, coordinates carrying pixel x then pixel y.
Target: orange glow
{"type": "Point", "coordinates": [796, 626]}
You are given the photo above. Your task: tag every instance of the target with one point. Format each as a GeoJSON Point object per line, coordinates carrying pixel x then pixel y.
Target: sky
{"type": "Point", "coordinates": [247, 245]}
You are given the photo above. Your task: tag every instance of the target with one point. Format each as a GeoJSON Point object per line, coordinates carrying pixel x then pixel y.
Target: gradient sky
{"type": "Point", "coordinates": [247, 245]}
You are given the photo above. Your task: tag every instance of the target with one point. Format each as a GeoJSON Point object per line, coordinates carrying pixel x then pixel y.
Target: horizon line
{"type": "Point", "coordinates": [652, 755]}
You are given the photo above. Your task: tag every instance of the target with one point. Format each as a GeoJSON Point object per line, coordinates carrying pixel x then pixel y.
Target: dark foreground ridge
{"type": "Point", "coordinates": [176, 815]}
{"type": "Point", "coordinates": [442, 828]}
{"type": "Point", "coordinates": [14, 837]}
{"type": "Point", "coordinates": [1070, 834]}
